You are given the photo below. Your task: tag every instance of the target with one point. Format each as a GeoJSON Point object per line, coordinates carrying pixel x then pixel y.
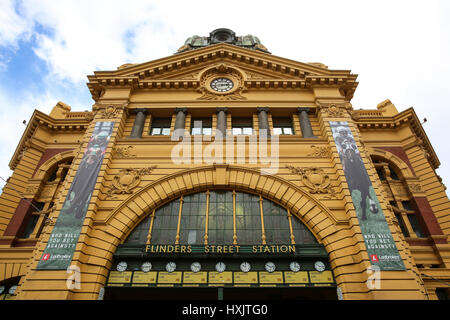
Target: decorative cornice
{"type": "Point", "coordinates": [74, 121]}
{"type": "Point", "coordinates": [140, 75]}
{"type": "Point", "coordinates": [372, 120]}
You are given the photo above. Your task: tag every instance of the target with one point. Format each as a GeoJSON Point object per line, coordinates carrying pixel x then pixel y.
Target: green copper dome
{"type": "Point", "coordinates": [223, 35]}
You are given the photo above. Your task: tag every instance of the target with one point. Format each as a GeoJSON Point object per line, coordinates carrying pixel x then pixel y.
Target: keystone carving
{"type": "Point", "coordinates": [127, 180]}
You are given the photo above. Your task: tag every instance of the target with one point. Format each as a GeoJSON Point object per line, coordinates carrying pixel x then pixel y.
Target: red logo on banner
{"type": "Point", "coordinates": [46, 256]}
{"type": "Point", "coordinates": [374, 258]}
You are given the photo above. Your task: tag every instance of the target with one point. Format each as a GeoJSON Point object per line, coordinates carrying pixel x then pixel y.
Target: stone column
{"type": "Point", "coordinates": [221, 121]}
{"type": "Point", "coordinates": [180, 120]}
{"type": "Point", "coordinates": [263, 120]}
{"type": "Point", "coordinates": [305, 124]}
{"type": "Point", "coordinates": [138, 125]}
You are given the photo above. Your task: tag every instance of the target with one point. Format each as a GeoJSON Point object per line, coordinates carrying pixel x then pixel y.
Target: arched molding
{"type": "Point", "coordinates": [316, 217]}
{"type": "Point", "coordinates": [53, 161]}
{"type": "Point", "coordinates": [395, 160]}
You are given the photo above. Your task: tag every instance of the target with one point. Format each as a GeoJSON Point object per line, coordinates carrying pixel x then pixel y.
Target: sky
{"type": "Point", "coordinates": [399, 49]}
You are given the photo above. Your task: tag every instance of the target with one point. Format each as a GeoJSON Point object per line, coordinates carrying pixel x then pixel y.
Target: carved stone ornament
{"type": "Point", "coordinates": [123, 152]}
{"type": "Point", "coordinates": [336, 110]}
{"type": "Point", "coordinates": [32, 189]}
{"type": "Point", "coordinates": [127, 180]}
{"type": "Point", "coordinates": [315, 179]}
{"type": "Point", "coordinates": [109, 112]}
{"type": "Point", "coordinates": [415, 188]}
{"type": "Point", "coordinates": [222, 70]}
{"type": "Point", "coordinates": [320, 152]}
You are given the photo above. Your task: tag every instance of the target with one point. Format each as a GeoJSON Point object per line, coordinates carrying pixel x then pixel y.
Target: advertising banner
{"type": "Point", "coordinates": [64, 237]}
{"type": "Point", "coordinates": [377, 236]}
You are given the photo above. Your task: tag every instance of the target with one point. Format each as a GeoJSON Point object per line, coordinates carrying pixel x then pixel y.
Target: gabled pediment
{"type": "Point", "coordinates": [258, 69]}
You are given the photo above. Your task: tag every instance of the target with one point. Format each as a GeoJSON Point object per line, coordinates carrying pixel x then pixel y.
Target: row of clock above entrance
{"type": "Point", "coordinates": [220, 266]}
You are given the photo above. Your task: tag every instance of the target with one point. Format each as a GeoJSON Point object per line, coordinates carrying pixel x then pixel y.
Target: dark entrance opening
{"type": "Point", "coordinates": [129, 293]}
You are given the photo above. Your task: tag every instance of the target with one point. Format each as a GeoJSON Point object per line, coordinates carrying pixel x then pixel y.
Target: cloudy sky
{"type": "Point", "coordinates": [400, 50]}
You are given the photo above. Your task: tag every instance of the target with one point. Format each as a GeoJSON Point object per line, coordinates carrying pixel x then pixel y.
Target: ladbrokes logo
{"type": "Point", "coordinates": [45, 256]}
{"type": "Point", "coordinates": [374, 258]}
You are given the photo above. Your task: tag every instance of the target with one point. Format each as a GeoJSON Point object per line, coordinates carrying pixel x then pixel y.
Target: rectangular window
{"type": "Point", "coordinates": [417, 228]}
{"type": "Point", "coordinates": [282, 126]}
{"type": "Point", "coordinates": [381, 174]}
{"type": "Point", "coordinates": [32, 219]}
{"type": "Point", "coordinates": [201, 126]}
{"type": "Point", "coordinates": [402, 224]}
{"type": "Point", "coordinates": [242, 126]}
{"type": "Point", "coordinates": [160, 127]}
{"type": "Point", "coordinates": [407, 205]}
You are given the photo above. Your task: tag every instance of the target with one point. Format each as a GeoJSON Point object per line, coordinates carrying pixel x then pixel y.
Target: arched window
{"type": "Point", "coordinates": [221, 217]}
{"type": "Point", "coordinates": [399, 197]}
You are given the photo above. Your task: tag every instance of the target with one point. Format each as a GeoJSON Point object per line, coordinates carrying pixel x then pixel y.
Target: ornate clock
{"type": "Point", "coordinates": [222, 84]}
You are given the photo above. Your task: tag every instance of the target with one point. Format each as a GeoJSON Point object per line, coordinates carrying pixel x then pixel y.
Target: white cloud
{"type": "Point", "coordinates": [399, 49]}
{"type": "Point", "coordinates": [12, 26]}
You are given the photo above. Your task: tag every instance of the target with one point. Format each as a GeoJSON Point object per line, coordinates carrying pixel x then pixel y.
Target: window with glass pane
{"type": "Point", "coordinates": [248, 219]}
{"type": "Point", "coordinates": [202, 126]}
{"type": "Point", "coordinates": [415, 224]}
{"type": "Point", "coordinates": [282, 126]}
{"type": "Point", "coordinates": [165, 224]}
{"type": "Point", "coordinates": [302, 235]}
{"type": "Point", "coordinates": [407, 205]}
{"type": "Point", "coordinates": [242, 126]}
{"type": "Point", "coordinates": [393, 174]}
{"type": "Point", "coordinates": [220, 223]}
{"type": "Point", "coordinates": [247, 216]}
{"type": "Point", "coordinates": [276, 223]}
{"type": "Point", "coordinates": [380, 173]}
{"type": "Point", "coordinates": [193, 214]}
{"type": "Point", "coordinates": [402, 224]}
{"type": "Point", "coordinates": [160, 126]}
{"type": "Point", "coordinates": [140, 233]}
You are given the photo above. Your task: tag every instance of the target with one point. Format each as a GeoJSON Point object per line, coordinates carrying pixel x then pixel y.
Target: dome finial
{"type": "Point", "coordinates": [223, 35]}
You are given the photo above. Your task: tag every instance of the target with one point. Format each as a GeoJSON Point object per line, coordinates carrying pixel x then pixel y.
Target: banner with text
{"type": "Point", "coordinates": [377, 237]}
{"type": "Point", "coordinates": [64, 237]}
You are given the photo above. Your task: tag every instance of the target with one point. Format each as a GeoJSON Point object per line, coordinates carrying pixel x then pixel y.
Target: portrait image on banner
{"type": "Point", "coordinates": [378, 239]}
{"type": "Point", "coordinates": [64, 237]}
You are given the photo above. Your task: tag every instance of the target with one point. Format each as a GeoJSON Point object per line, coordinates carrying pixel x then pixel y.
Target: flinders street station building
{"type": "Point", "coordinates": [224, 172]}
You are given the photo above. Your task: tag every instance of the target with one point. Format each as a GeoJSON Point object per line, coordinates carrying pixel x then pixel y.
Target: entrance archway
{"type": "Point", "coordinates": [203, 245]}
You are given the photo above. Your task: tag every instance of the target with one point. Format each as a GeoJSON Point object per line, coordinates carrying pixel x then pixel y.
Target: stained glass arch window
{"type": "Point", "coordinates": [221, 217]}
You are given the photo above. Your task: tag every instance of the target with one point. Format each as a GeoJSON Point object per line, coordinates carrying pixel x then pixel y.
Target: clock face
{"type": "Point", "coordinates": [171, 266]}
{"type": "Point", "coordinates": [146, 266]}
{"type": "Point", "coordinates": [294, 266]}
{"type": "Point", "coordinates": [196, 266]}
{"type": "Point", "coordinates": [270, 266]}
{"type": "Point", "coordinates": [220, 267]}
{"type": "Point", "coordinates": [122, 266]}
{"type": "Point", "coordinates": [319, 266]}
{"type": "Point", "coordinates": [222, 84]}
{"type": "Point", "coordinates": [12, 290]}
{"type": "Point", "coordinates": [245, 266]}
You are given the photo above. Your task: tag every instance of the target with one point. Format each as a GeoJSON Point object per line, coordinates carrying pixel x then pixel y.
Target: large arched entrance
{"type": "Point", "coordinates": [221, 244]}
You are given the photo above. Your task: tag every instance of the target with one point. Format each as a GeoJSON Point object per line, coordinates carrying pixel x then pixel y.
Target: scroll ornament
{"type": "Point", "coordinates": [336, 110]}
{"type": "Point", "coordinates": [315, 179]}
{"type": "Point", "coordinates": [127, 180]}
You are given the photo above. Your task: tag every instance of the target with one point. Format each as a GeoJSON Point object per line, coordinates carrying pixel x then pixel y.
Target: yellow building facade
{"type": "Point", "coordinates": [224, 172]}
